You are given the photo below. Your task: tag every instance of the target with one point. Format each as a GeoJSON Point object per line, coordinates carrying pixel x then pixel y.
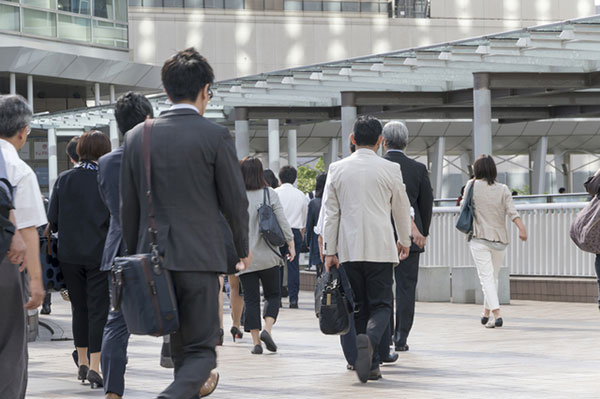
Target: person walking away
{"type": "Point", "coordinates": [295, 207]}
{"type": "Point", "coordinates": [78, 214]}
{"type": "Point", "coordinates": [361, 193]}
{"type": "Point", "coordinates": [420, 195]}
{"type": "Point", "coordinates": [493, 202]}
{"type": "Point", "coordinates": [592, 186]}
{"type": "Point", "coordinates": [27, 216]}
{"type": "Point", "coordinates": [195, 178]}
{"type": "Point", "coordinates": [264, 268]}
{"type": "Point", "coordinates": [312, 239]}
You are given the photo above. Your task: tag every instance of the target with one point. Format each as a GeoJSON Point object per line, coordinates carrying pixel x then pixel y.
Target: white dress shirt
{"type": "Point", "coordinates": [295, 205]}
{"type": "Point", "coordinates": [27, 197]}
{"type": "Point", "coordinates": [183, 106]}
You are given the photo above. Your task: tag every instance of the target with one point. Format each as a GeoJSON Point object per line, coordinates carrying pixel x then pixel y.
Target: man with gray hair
{"type": "Point", "coordinates": [420, 194]}
{"type": "Point", "coordinates": [29, 213]}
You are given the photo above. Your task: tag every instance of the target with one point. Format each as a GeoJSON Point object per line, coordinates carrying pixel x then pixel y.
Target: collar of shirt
{"type": "Point", "coordinates": [7, 146]}
{"type": "Point", "coordinates": [365, 151]}
{"type": "Point", "coordinates": [395, 150]}
{"type": "Point", "coordinates": [183, 106]}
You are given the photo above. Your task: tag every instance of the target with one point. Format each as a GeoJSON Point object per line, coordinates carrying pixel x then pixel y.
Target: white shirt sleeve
{"type": "Point", "coordinates": [29, 207]}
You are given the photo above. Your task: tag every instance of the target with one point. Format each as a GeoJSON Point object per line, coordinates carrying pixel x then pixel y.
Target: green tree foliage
{"type": "Point", "coordinates": [307, 176]}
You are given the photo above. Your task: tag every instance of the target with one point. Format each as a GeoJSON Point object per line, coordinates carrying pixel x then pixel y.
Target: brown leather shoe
{"type": "Point", "coordinates": [111, 395]}
{"type": "Point", "coordinates": [210, 385]}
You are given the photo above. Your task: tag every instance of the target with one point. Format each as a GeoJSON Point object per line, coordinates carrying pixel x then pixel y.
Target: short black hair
{"type": "Point", "coordinates": [131, 109]}
{"type": "Point", "coordinates": [485, 169]}
{"type": "Point", "coordinates": [271, 179]}
{"type": "Point", "coordinates": [186, 74]}
{"type": "Point", "coordinates": [288, 174]}
{"type": "Point", "coordinates": [72, 149]}
{"type": "Point", "coordinates": [562, 190]}
{"type": "Point", "coordinates": [367, 130]}
{"type": "Point", "coordinates": [320, 185]}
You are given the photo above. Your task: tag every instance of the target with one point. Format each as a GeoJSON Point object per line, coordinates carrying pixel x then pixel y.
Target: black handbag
{"type": "Point", "coordinates": [268, 226]}
{"type": "Point", "coordinates": [7, 229]}
{"type": "Point", "coordinates": [52, 274]}
{"type": "Point", "coordinates": [464, 224]}
{"type": "Point", "coordinates": [142, 288]}
{"type": "Point", "coordinates": [334, 314]}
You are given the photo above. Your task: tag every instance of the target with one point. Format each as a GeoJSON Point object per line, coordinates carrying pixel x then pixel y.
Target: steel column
{"type": "Point", "coordinates": [274, 154]}
{"type": "Point", "coordinates": [482, 115]}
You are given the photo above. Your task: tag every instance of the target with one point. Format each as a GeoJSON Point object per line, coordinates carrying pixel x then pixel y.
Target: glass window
{"type": "Point", "coordinates": [153, 3]}
{"type": "Point", "coordinates": [173, 3]}
{"type": "Point", "coordinates": [39, 23]}
{"type": "Point", "coordinates": [135, 3]}
{"type": "Point", "coordinates": [121, 10]}
{"type": "Point", "coordinates": [75, 6]}
{"type": "Point", "coordinates": [292, 5]}
{"type": "Point", "coordinates": [332, 6]}
{"type": "Point", "coordinates": [194, 3]}
{"type": "Point", "coordinates": [74, 28]}
{"type": "Point", "coordinates": [350, 6]}
{"type": "Point", "coordinates": [9, 17]}
{"type": "Point", "coordinates": [104, 9]}
{"type": "Point", "coordinates": [109, 34]}
{"type": "Point", "coordinates": [234, 4]}
{"type": "Point", "coordinates": [312, 6]}
{"type": "Point", "coordinates": [213, 4]}
{"type": "Point", "coordinates": [369, 7]}
{"type": "Point", "coordinates": [49, 4]}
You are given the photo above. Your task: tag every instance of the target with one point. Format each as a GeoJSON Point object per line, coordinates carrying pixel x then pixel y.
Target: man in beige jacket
{"type": "Point", "coordinates": [361, 193]}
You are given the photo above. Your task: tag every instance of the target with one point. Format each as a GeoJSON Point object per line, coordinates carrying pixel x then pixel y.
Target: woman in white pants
{"type": "Point", "coordinates": [492, 202]}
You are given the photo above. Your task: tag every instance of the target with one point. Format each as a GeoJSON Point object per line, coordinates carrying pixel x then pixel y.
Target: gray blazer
{"type": "Point", "coordinates": [195, 174]}
{"type": "Point", "coordinates": [262, 256]}
{"type": "Point", "coordinates": [108, 182]}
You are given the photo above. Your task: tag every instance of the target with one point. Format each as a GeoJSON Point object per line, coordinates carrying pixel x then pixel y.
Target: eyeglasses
{"type": "Point", "coordinates": [210, 94]}
{"type": "Point", "coordinates": [28, 130]}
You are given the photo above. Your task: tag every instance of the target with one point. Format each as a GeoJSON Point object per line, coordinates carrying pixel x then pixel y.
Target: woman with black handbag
{"type": "Point", "coordinates": [78, 214]}
{"type": "Point", "coordinates": [265, 261]}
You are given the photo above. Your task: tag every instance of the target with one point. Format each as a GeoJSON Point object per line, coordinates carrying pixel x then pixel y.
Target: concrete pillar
{"type": "Point", "coordinates": [52, 158]}
{"type": "Point", "coordinates": [465, 165]}
{"type": "Point", "coordinates": [242, 132]}
{"type": "Point", "coordinates": [332, 153]}
{"type": "Point", "coordinates": [30, 91]}
{"type": "Point", "coordinates": [97, 93]}
{"type": "Point", "coordinates": [274, 153]}
{"type": "Point", "coordinates": [13, 83]}
{"type": "Point", "coordinates": [112, 94]}
{"type": "Point", "coordinates": [437, 166]}
{"type": "Point", "coordinates": [114, 134]}
{"type": "Point", "coordinates": [348, 119]}
{"type": "Point", "coordinates": [482, 115]}
{"type": "Point", "coordinates": [538, 177]}
{"type": "Point", "coordinates": [292, 148]}
{"type": "Point", "coordinates": [561, 170]}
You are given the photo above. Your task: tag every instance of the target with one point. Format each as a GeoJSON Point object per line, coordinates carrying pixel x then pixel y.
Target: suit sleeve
{"type": "Point", "coordinates": [231, 192]}
{"type": "Point", "coordinates": [401, 209]}
{"type": "Point", "coordinates": [130, 201]}
{"type": "Point", "coordinates": [332, 214]}
{"type": "Point", "coordinates": [53, 207]}
{"type": "Point", "coordinates": [101, 186]}
{"type": "Point", "coordinates": [310, 223]}
{"type": "Point", "coordinates": [425, 202]}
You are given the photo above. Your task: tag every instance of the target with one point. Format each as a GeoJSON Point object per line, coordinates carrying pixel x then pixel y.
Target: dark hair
{"type": "Point", "coordinates": [186, 74]}
{"type": "Point", "coordinates": [367, 130]}
{"type": "Point", "coordinates": [514, 193]}
{"type": "Point", "coordinates": [320, 186]}
{"type": "Point", "coordinates": [72, 149]}
{"type": "Point", "coordinates": [271, 179]}
{"type": "Point", "coordinates": [562, 190]}
{"type": "Point", "coordinates": [485, 169]}
{"type": "Point", "coordinates": [132, 108]}
{"type": "Point", "coordinates": [15, 115]}
{"type": "Point", "coordinates": [92, 145]}
{"type": "Point", "coordinates": [352, 148]}
{"type": "Point", "coordinates": [252, 171]}
{"type": "Point", "coordinates": [288, 174]}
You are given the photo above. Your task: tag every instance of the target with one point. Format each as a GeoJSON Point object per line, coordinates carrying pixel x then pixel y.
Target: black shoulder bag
{"type": "Point", "coordinates": [334, 314]}
{"type": "Point", "coordinates": [268, 226]}
{"type": "Point", "coordinates": [142, 287]}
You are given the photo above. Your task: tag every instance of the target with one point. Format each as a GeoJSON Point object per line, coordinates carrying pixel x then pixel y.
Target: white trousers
{"type": "Point", "coordinates": [488, 262]}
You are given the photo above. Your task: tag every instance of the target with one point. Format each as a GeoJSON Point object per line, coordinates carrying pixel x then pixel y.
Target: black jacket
{"type": "Point", "coordinates": [79, 215]}
{"type": "Point", "coordinates": [196, 177]}
{"type": "Point", "coordinates": [418, 189]}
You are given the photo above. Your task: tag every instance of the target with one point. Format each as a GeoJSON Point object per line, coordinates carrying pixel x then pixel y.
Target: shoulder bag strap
{"type": "Point", "coordinates": [147, 156]}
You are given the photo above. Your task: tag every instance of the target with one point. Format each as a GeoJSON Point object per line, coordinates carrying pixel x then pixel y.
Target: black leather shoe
{"type": "Point", "coordinates": [391, 358]}
{"type": "Point", "coordinates": [402, 348]}
{"type": "Point", "coordinates": [499, 322]}
{"type": "Point", "coordinates": [83, 373]}
{"type": "Point", "coordinates": [257, 350]}
{"type": "Point", "coordinates": [284, 292]}
{"type": "Point", "coordinates": [375, 374]}
{"type": "Point", "coordinates": [293, 305]}
{"type": "Point", "coordinates": [484, 320]}
{"type": "Point", "coordinates": [95, 380]}
{"type": "Point", "coordinates": [364, 357]}
{"type": "Point", "coordinates": [46, 309]}
{"type": "Point", "coordinates": [268, 340]}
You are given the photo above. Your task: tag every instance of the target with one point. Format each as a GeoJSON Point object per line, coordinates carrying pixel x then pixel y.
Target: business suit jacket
{"type": "Point", "coordinates": [195, 177]}
{"type": "Point", "coordinates": [314, 208]}
{"type": "Point", "coordinates": [418, 189]}
{"type": "Point", "coordinates": [362, 191]}
{"type": "Point", "coordinates": [108, 180]}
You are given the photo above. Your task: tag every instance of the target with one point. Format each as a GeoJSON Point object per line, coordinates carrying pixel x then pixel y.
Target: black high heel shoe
{"type": "Point", "coordinates": [95, 380]}
{"type": "Point", "coordinates": [485, 319]}
{"type": "Point", "coordinates": [236, 333]}
{"type": "Point", "coordinates": [257, 350]}
{"type": "Point", "coordinates": [268, 340]}
{"type": "Point", "coordinates": [82, 374]}
{"type": "Point", "coordinates": [221, 337]}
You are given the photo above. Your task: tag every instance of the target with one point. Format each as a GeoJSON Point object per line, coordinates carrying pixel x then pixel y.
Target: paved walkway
{"type": "Point", "coordinates": [545, 350]}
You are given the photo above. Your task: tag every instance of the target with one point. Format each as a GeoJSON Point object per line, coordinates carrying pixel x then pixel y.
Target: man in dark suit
{"type": "Point", "coordinates": [420, 194]}
{"type": "Point", "coordinates": [130, 109]}
{"type": "Point", "coordinates": [195, 177]}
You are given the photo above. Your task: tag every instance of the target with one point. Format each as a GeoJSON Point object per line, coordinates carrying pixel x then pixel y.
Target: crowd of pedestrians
{"type": "Point", "coordinates": [370, 218]}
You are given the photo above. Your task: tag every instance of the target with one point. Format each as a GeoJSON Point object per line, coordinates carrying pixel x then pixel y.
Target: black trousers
{"type": "Point", "coordinates": [371, 283]}
{"type": "Point", "coordinates": [406, 274]}
{"type": "Point", "coordinates": [88, 290]}
{"type": "Point", "coordinates": [251, 284]}
{"type": "Point", "coordinates": [193, 344]}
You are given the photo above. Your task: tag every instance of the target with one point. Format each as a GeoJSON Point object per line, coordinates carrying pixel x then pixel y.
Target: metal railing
{"type": "Point", "coordinates": [548, 251]}
{"type": "Point", "coordinates": [530, 199]}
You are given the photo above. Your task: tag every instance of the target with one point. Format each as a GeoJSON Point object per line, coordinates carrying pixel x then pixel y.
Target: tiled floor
{"type": "Point", "coordinates": [545, 350]}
